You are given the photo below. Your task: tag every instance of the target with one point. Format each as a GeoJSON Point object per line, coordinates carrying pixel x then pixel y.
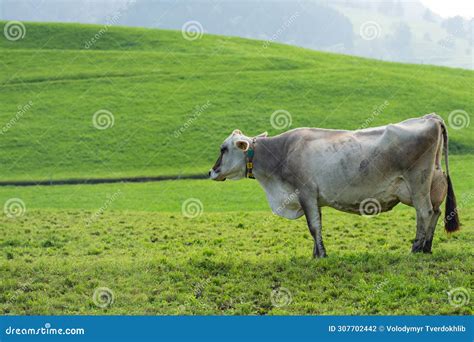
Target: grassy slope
{"type": "Point", "coordinates": [152, 81]}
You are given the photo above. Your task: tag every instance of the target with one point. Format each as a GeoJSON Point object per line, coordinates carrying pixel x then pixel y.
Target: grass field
{"type": "Point", "coordinates": [155, 260]}
{"type": "Point", "coordinates": [173, 101]}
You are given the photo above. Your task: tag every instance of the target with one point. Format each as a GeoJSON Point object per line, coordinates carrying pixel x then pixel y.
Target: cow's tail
{"type": "Point", "coordinates": [451, 218]}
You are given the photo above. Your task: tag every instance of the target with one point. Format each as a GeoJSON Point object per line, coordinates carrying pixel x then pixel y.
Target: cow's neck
{"type": "Point", "coordinates": [266, 161]}
{"type": "Point", "coordinates": [268, 172]}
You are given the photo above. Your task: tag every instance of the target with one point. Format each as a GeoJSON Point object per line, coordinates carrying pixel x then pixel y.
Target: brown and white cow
{"type": "Point", "coordinates": [363, 172]}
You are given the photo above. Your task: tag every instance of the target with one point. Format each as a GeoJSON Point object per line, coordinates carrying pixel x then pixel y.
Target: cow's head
{"type": "Point", "coordinates": [232, 158]}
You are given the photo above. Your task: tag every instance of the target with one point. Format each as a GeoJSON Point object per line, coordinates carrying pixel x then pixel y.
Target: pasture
{"type": "Point", "coordinates": [201, 247]}
{"type": "Point", "coordinates": [230, 259]}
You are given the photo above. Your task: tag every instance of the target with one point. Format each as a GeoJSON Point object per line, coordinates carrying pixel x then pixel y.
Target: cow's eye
{"type": "Point", "coordinates": [223, 149]}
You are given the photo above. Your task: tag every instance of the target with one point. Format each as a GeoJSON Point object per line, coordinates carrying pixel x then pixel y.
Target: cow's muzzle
{"type": "Point", "coordinates": [215, 175]}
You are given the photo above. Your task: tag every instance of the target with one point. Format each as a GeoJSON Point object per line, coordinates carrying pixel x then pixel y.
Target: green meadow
{"type": "Point", "coordinates": [196, 246]}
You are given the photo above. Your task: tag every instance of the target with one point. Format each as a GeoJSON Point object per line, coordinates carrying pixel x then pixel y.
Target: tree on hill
{"type": "Point", "coordinates": [471, 32]}
{"type": "Point", "coordinates": [305, 24]}
{"type": "Point", "coordinates": [398, 9]}
{"type": "Point", "coordinates": [428, 16]}
{"type": "Point", "coordinates": [455, 26]}
{"type": "Point", "coordinates": [401, 42]}
{"type": "Point", "coordinates": [385, 7]}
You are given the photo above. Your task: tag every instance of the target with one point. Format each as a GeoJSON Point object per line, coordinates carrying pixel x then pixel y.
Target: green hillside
{"type": "Point", "coordinates": [156, 83]}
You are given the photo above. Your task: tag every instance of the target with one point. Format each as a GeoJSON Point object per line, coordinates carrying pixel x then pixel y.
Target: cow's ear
{"type": "Point", "coordinates": [262, 135]}
{"type": "Point", "coordinates": [242, 144]}
{"type": "Point", "coordinates": [236, 131]}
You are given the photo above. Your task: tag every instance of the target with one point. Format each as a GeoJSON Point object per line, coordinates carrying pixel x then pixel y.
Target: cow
{"type": "Point", "coordinates": [365, 172]}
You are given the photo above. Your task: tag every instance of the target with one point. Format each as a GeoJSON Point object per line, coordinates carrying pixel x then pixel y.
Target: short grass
{"type": "Point", "coordinates": [227, 263]}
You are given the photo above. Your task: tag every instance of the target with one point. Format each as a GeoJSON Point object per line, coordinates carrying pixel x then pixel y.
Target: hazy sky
{"type": "Point", "coordinates": [449, 8]}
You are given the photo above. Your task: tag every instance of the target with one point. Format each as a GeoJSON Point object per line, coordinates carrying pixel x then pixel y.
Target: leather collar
{"type": "Point", "coordinates": [249, 160]}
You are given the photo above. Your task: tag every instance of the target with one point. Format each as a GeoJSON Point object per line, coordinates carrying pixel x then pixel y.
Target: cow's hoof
{"type": "Point", "coordinates": [417, 247]}
{"type": "Point", "coordinates": [427, 250]}
{"type": "Point", "coordinates": [427, 247]}
{"type": "Point", "coordinates": [320, 255]}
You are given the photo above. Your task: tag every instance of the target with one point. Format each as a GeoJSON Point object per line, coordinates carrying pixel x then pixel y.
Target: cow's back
{"type": "Point", "coordinates": [349, 166]}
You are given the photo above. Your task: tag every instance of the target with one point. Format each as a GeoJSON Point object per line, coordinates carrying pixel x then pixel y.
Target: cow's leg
{"type": "Point", "coordinates": [439, 187]}
{"type": "Point", "coordinates": [431, 230]}
{"type": "Point", "coordinates": [313, 218]}
{"type": "Point", "coordinates": [424, 213]}
{"type": "Point", "coordinates": [320, 250]}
